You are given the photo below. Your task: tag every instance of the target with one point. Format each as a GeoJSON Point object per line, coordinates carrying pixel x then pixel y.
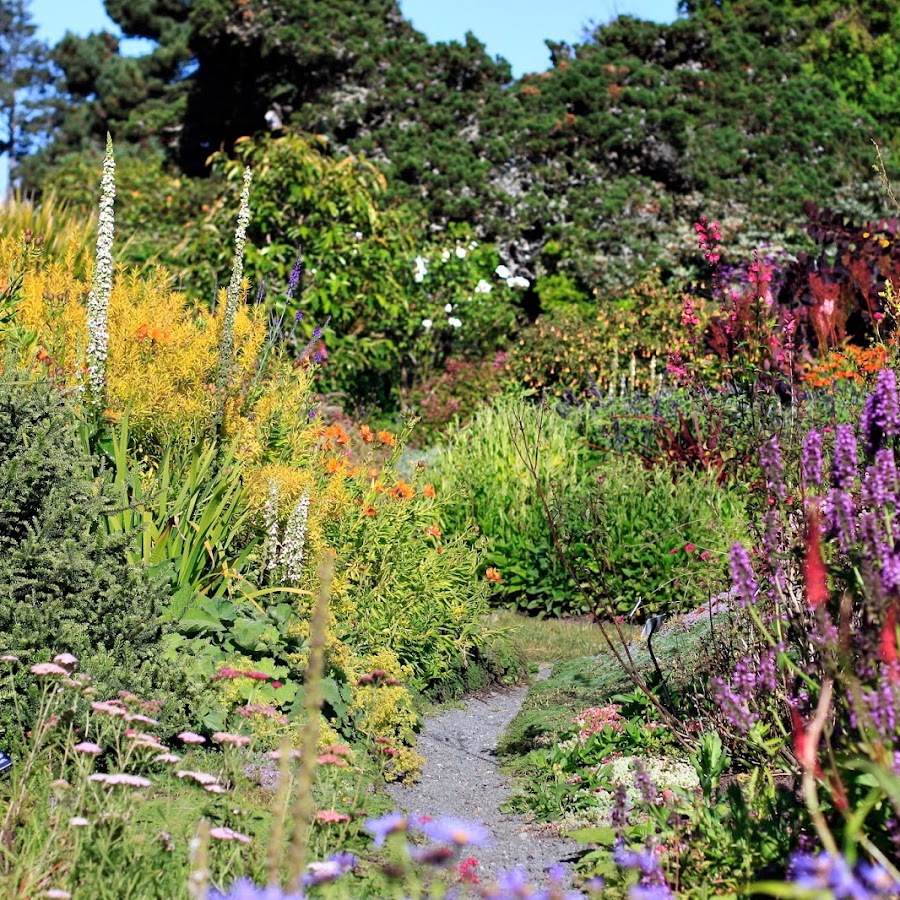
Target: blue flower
{"type": "Point", "coordinates": [244, 889]}
{"type": "Point", "coordinates": [390, 824]}
{"type": "Point", "coordinates": [333, 868]}
{"type": "Point", "coordinates": [456, 831]}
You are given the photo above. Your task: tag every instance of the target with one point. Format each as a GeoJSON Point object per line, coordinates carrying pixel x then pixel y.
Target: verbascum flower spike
{"type": "Point", "coordinates": [102, 282]}
{"type": "Point", "coordinates": [233, 297]}
{"type": "Point", "coordinates": [270, 520]}
{"type": "Point", "coordinates": [294, 542]}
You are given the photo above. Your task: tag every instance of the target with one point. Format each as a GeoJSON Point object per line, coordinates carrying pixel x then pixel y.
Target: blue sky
{"type": "Point", "coordinates": [515, 29]}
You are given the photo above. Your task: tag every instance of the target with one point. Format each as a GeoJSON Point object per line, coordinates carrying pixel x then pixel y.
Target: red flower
{"type": "Point", "coordinates": [467, 870]}
{"type": "Point", "coordinates": [889, 643]}
{"type": "Point", "coordinates": [814, 574]}
{"type": "Point", "coordinates": [806, 754]}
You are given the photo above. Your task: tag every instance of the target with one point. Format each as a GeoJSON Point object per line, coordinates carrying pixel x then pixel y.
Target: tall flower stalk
{"type": "Point", "coordinates": [294, 542]}
{"type": "Point", "coordinates": [233, 298]}
{"type": "Point", "coordinates": [102, 282]}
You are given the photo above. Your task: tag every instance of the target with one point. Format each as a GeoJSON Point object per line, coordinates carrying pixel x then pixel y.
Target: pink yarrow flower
{"type": "Point", "coordinates": [109, 707]}
{"type": "Point", "coordinates": [331, 816]}
{"type": "Point", "coordinates": [47, 668]}
{"type": "Point", "coordinates": [65, 659]}
{"type": "Point", "coordinates": [88, 747]}
{"type": "Point", "coordinates": [199, 777]}
{"type": "Point", "coordinates": [189, 737]}
{"type": "Point", "coordinates": [167, 758]}
{"type": "Point", "coordinates": [121, 778]}
{"type": "Point", "coordinates": [226, 737]}
{"type": "Point", "coordinates": [228, 834]}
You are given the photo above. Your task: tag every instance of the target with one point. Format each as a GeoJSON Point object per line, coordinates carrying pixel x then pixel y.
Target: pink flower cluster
{"type": "Point", "coordinates": [596, 719]}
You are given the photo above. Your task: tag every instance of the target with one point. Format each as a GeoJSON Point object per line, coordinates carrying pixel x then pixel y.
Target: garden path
{"type": "Point", "coordinates": [462, 778]}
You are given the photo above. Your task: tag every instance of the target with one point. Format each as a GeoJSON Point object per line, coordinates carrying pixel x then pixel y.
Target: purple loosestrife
{"type": "Point", "coordinates": [843, 467]}
{"type": "Point", "coordinates": [879, 482]}
{"type": "Point", "coordinates": [881, 413]}
{"type": "Point", "coordinates": [742, 575]}
{"type": "Point", "coordinates": [840, 516]}
{"type": "Point", "coordinates": [811, 460]}
{"type": "Point", "coordinates": [770, 461]}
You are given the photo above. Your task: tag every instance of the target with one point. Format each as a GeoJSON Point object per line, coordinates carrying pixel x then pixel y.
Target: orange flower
{"type": "Point", "coordinates": [370, 511]}
{"type": "Point", "coordinates": [333, 465]}
{"type": "Point", "coordinates": [428, 490]}
{"type": "Point", "coordinates": [141, 333]}
{"type": "Point", "coordinates": [372, 473]}
{"type": "Point", "coordinates": [433, 530]}
{"type": "Point", "coordinates": [402, 491]}
{"type": "Point", "coordinates": [366, 434]}
{"type": "Point", "coordinates": [378, 487]}
{"type": "Point", "coordinates": [387, 438]}
{"type": "Point", "coordinates": [42, 355]}
{"type": "Point", "coordinates": [493, 575]}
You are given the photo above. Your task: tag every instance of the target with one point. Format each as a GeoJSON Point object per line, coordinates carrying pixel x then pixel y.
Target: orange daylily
{"type": "Point", "coordinates": [386, 437]}
{"type": "Point", "coordinates": [433, 530]}
{"type": "Point", "coordinates": [366, 434]}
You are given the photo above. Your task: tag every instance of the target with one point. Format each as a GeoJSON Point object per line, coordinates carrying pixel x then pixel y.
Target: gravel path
{"type": "Point", "coordinates": [462, 778]}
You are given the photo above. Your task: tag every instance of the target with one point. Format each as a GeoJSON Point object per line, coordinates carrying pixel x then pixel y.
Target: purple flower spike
{"type": "Point", "coordinates": [742, 575]}
{"type": "Point", "coordinates": [456, 831]}
{"type": "Point", "coordinates": [843, 469]}
{"type": "Point", "coordinates": [770, 460]}
{"type": "Point", "coordinates": [811, 460]}
{"type": "Point", "coordinates": [881, 414]}
{"type": "Point", "coordinates": [294, 277]}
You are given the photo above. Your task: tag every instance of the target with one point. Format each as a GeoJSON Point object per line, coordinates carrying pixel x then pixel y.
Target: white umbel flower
{"type": "Point", "coordinates": [295, 540]}
{"type": "Point", "coordinates": [102, 281]}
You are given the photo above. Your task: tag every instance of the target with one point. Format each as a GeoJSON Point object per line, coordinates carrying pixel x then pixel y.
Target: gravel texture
{"type": "Point", "coordinates": [462, 778]}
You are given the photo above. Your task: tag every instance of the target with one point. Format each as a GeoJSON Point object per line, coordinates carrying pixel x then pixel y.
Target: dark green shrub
{"type": "Point", "coordinates": [65, 584]}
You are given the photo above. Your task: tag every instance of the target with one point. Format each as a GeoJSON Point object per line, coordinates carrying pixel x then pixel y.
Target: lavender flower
{"type": "Point", "coordinates": [843, 469]}
{"type": "Point", "coordinates": [294, 277]}
{"type": "Point", "coordinates": [811, 460]}
{"type": "Point", "coordinates": [102, 281]}
{"type": "Point", "coordinates": [742, 575]}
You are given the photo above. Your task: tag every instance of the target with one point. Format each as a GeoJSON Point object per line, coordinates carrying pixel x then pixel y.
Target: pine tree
{"type": "Point", "coordinates": [25, 85]}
